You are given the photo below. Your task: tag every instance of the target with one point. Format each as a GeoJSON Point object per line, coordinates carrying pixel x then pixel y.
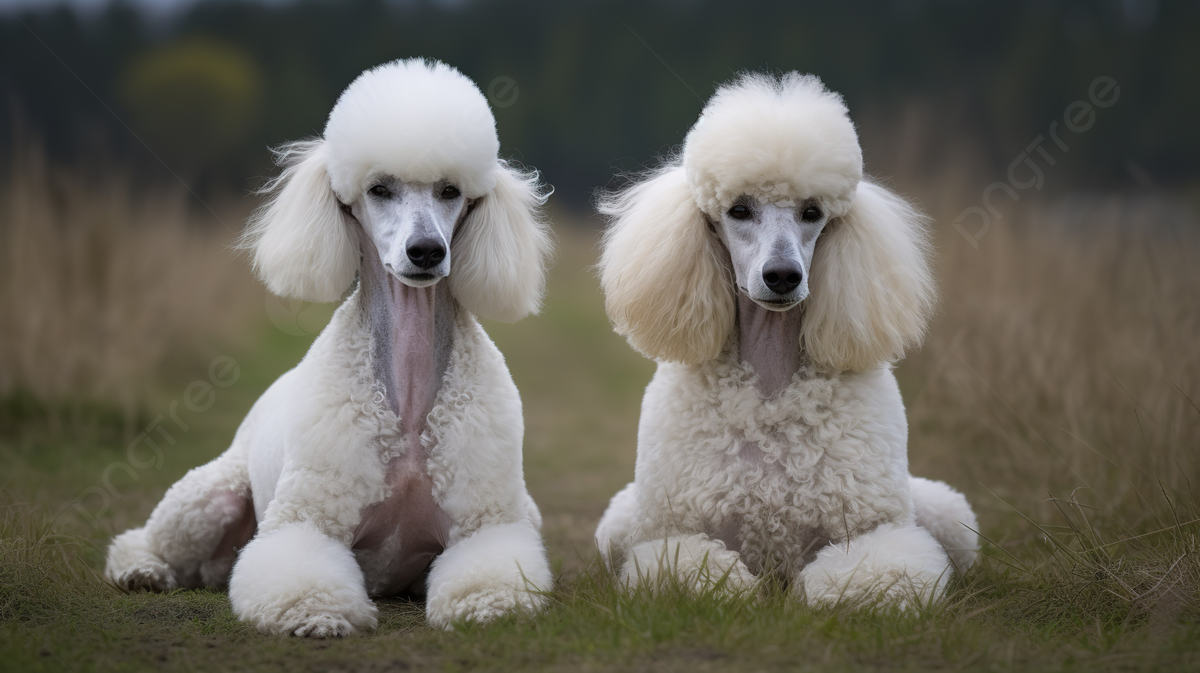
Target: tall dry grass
{"type": "Point", "coordinates": [1060, 387]}
{"type": "Point", "coordinates": [1062, 373]}
{"type": "Point", "coordinates": [1066, 356]}
{"type": "Point", "coordinates": [98, 284]}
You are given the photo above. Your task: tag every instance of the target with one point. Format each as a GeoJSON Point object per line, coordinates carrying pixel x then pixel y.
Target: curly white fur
{"type": "Point", "coordinates": [313, 453]}
{"type": "Point", "coordinates": [788, 479]}
{"type": "Point", "coordinates": [829, 459]}
{"type": "Point", "coordinates": [172, 550]}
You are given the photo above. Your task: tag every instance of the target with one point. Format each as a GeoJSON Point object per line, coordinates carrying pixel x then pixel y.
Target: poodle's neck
{"type": "Point", "coordinates": [412, 333]}
{"type": "Point", "coordinates": [769, 342]}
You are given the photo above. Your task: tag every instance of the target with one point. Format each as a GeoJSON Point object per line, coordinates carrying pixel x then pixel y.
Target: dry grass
{"type": "Point", "coordinates": [41, 571]}
{"type": "Point", "coordinates": [1059, 388]}
{"type": "Point", "coordinates": [1066, 357]}
{"type": "Point", "coordinates": [98, 286]}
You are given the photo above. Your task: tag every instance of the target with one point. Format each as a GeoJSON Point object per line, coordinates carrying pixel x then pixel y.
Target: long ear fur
{"type": "Point", "coordinates": [665, 276]}
{"type": "Point", "coordinates": [871, 288]}
{"type": "Point", "coordinates": [301, 244]}
{"type": "Point", "coordinates": [498, 260]}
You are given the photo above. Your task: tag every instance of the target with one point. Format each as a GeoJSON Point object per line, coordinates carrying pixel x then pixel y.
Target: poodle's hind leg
{"type": "Point", "coordinates": [698, 561]}
{"type": "Point", "coordinates": [497, 570]}
{"type": "Point", "coordinates": [901, 565]}
{"type": "Point", "coordinates": [192, 537]}
{"type": "Point", "coordinates": [296, 580]}
{"type": "Point", "coordinates": [616, 526]}
{"type": "Point", "coordinates": [946, 514]}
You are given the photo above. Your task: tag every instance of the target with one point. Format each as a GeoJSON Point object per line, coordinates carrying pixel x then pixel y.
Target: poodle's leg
{"type": "Point", "coordinates": [617, 525]}
{"type": "Point", "coordinates": [494, 571]}
{"type": "Point", "coordinates": [297, 580]}
{"type": "Point", "coordinates": [696, 560]}
{"type": "Point", "coordinates": [946, 514]}
{"type": "Point", "coordinates": [893, 564]}
{"type": "Point", "coordinates": [192, 536]}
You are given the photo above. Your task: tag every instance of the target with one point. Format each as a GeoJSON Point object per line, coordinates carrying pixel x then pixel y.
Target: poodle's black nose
{"type": "Point", "coordinates": [426, 253]}
{"type": "Point", "coordinates": [782, 275]}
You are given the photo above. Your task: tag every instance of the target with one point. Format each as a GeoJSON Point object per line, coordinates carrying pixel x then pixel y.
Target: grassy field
{"type": "Point", "coordinates": [1056, 389]}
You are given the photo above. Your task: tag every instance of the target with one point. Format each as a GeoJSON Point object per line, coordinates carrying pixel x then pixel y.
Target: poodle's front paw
{"type": "Point", "coordinates": [698, 562]}
{"type": "Point", "coordinates": [482, 606]}
{"type": "Point", "coordinates": [154, 576]}
{"type": "Point", "coordinates": [324, 626]}
{"type": "Point", "coordinates": [314, 614]}
{"type": "Point", "coordinates": [902, 566]}
{"type": "Point", "coordinates": [132, 566]}
{"type": "Point", "coordinates": [295, 580]}
{"type": "Point", "coordinates": [496, 571]}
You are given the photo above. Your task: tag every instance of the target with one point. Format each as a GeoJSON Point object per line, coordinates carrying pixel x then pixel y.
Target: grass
{"type": "Point", "coordinates": [102, 288]}
{"type": "Point", "coordinates": [1056, 389]}
{"type": "Point", "coordinates": [66, 619]}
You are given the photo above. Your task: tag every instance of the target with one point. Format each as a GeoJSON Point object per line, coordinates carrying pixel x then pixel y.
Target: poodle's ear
{"type": "Point", "coordinates": [498, 259]}
{"type": "Point", "coordinates": [666, 278]}
{"type": "Point", "coordinates": [871, 288]}
{"type": "Point", "coordinates": [301, 243]}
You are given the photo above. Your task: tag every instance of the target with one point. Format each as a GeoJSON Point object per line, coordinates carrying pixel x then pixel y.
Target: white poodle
{"type": "Point", "coordinates": [775, 287]}
{"type": "Point", "coordinates": [389, 459]}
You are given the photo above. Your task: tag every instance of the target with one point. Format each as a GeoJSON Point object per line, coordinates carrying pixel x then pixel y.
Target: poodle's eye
{"type": "Point", "coordinates": [739, 212]}
{"type": "Point", "coordinates": [811, 214]}
{"type": "Point", "coordinates": [450, 192]}
{"type": "Point", "coordinates": [380, 191]}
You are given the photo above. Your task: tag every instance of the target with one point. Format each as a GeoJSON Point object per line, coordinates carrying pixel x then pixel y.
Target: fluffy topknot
{"type": "Point", "coordinates": [419, 120]}
{"type": "Point", "coordinates": [776, 139]}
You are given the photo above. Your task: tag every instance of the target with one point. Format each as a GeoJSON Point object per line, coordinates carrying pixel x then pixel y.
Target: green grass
{"type": "Point", "coordinates": [58, 616]}
{"type": "Point", "coordinates": [1075, 591]}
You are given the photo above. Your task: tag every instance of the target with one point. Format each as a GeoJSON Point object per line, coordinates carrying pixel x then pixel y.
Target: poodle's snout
{"type": "Point", "coordinates": [782, 276]}
{"type": "Point", "coordinates": [426, 253]}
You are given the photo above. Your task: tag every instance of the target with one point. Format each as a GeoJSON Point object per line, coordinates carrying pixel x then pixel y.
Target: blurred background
{"type": "Point", "coordinates": [583, 89]}
{"type": "Point", "coordinates": [1054, 145]}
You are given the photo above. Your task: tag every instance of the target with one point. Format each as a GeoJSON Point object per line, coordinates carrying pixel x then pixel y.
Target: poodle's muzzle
{"type": "Point", "coordinates": [771, 248]}
{"type": "Point", "coordinates": [411, 225]}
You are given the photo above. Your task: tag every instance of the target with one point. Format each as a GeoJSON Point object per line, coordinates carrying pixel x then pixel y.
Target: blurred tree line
{"type": "Point", "coordinates": [584, 90]}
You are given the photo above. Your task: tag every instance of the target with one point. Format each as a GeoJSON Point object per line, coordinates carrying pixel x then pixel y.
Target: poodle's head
{"type": "Point", "coordinates": [407, 169]}
{"type": "Point", "coordinates": [767, 199]}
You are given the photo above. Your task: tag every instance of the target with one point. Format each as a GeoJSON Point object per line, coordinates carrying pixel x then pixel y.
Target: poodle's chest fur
{"type": "Point", "coordinates": [396, 494]}
{"type": "Point", "coordinates": [401, 373]}
{"type": "Point", "coordinates": [775, 478]}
